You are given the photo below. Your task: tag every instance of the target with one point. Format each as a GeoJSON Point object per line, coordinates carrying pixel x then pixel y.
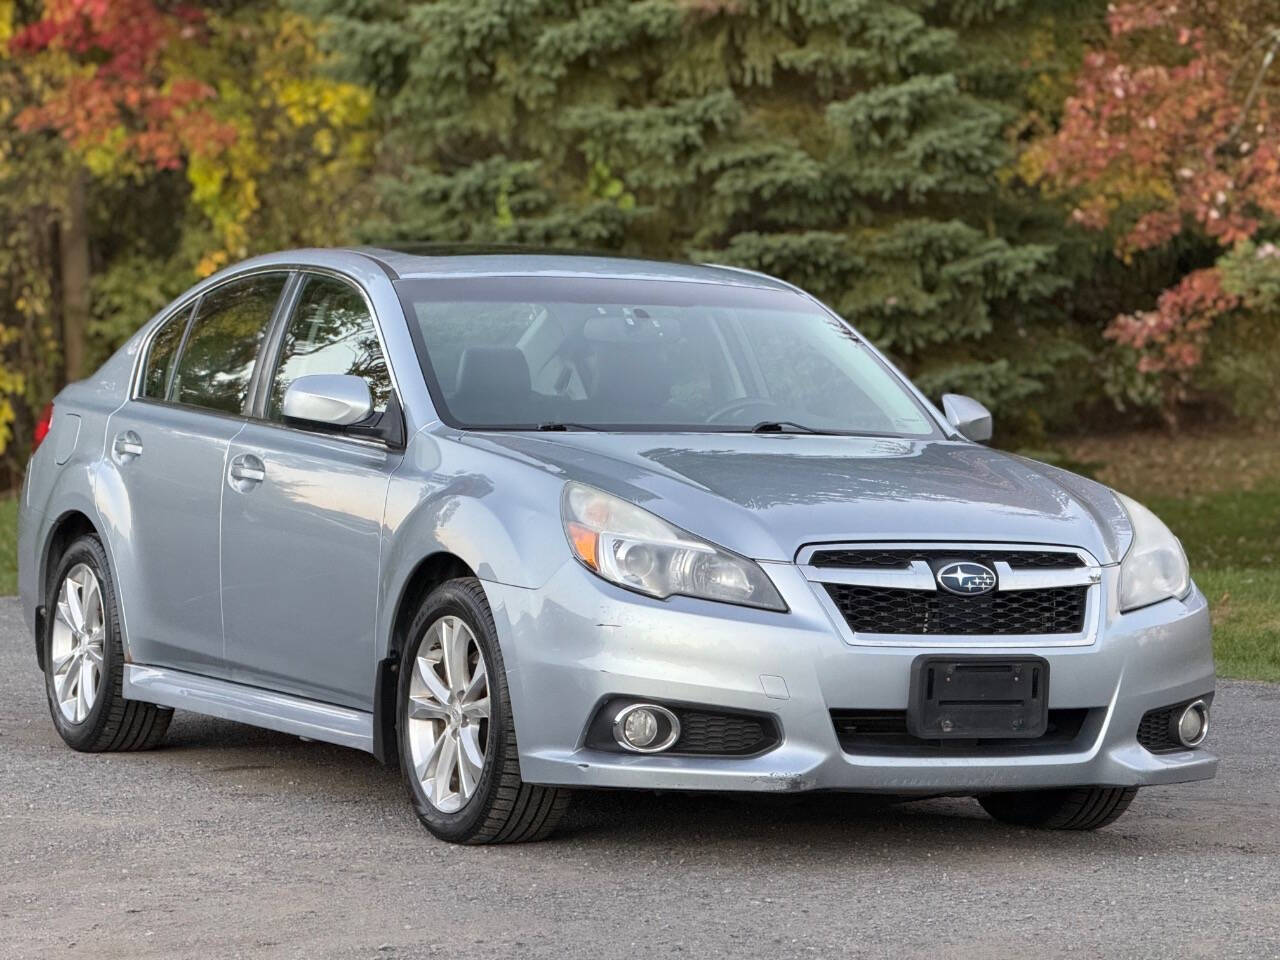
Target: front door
{"type": "Point", "coordinates": [302, 517]}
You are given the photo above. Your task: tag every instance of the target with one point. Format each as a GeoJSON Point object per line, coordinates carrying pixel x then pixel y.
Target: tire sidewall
{"type": "Point", "coordinates": [453, 599]}
{"type": "Point", "coordinates": [87, 550]}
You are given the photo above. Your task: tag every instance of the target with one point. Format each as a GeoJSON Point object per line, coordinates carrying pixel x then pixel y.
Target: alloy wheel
{"type": "Point", "coordinates": [447, 714]}
{"type": "Point", "coordinates": [76, 650]}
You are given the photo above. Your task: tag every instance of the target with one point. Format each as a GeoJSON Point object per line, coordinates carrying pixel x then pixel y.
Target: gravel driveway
{"type": "Point", "coordinates": [235, 842]}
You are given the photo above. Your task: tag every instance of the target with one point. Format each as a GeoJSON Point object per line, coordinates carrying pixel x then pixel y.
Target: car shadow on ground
{"type": "Point", "coordinates": [827, 823]}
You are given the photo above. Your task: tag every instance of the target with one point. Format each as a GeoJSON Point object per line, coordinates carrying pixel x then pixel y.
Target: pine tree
{"type": "Point", "coordinates": [843, 145]}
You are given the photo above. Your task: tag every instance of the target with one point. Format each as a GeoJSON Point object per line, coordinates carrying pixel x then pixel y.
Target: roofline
{"type": "Point", "coordinates": [382, 264]}
{"type": "Point", "coordinates": [446, 251]}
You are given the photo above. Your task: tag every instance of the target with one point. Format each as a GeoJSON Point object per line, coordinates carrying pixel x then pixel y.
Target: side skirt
{"type": "Point", "coordinates": [251, 705]}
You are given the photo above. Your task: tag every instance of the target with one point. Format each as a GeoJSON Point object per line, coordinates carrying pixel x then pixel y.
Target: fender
{"type": "Point", "coordinates": [441, 501]}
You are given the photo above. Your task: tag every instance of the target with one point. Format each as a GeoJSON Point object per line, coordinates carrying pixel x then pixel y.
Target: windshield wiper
{"type": "Point", "coordinates": [785, 426]}
{"type": "Point", "coordinates": [561, 427]}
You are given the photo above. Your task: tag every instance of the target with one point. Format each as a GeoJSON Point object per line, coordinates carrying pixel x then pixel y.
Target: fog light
{"type": "Point", "coordinates": [645, 728]}
{"type": "Point", "coordinates": [1193, 725]}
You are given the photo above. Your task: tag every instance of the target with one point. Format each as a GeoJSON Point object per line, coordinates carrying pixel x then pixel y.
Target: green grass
{"type": "Point", "coordinates": [1233, 541]}
{"type": "Point", "coordinates": [1245, 605]}
{"type": "Point", "coordinates": [1235, 528]}
{"type": "Point", "coordinates": [8, 546]}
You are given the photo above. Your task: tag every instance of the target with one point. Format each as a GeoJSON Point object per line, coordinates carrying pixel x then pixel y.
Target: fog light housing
{"type": "Point", "coordinates": [645, 728]}
{"type": "Point", "coordinates": [1193, 724]}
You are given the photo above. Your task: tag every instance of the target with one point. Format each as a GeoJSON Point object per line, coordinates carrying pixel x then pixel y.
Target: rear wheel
{"type": "Point", "coordinates": [457, 738]}
{"type": "Point", "coordinates": [84, 659]}
{"type": "Point", "coordinates": [1074, 808]}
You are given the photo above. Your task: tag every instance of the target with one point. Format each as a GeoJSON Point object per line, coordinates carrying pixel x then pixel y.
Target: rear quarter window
{"type": "Point", "coordinates": [163, 351]}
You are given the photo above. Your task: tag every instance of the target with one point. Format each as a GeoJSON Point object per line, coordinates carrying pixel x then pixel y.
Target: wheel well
{"type": "Point", "coordinates": [427, 575]}
{"type": "Point", "coordinates": [67, 529]}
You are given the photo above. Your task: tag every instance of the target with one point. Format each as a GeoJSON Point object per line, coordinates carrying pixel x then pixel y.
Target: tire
{"type": "Point", "coordinates": [440, 716]}
{"type": "Point", "coordinates": [87, 704]}
{"type": "Point", "coordinates": [1077, 808]}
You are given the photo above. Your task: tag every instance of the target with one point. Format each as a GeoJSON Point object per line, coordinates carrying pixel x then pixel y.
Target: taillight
{"type": "Point", "coordinates": [42, 427]}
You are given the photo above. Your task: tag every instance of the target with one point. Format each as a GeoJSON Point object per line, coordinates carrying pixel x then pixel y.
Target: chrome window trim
{"type": "Point", "coordinates": [920, 577]}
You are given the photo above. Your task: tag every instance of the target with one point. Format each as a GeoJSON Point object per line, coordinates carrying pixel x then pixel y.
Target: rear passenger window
{"type": "Point", "coordinates": [331, 331]}
{"type": "Point", "coordinates": [164, 347]}
{"type": "Point", "coordinates": [216, 366]}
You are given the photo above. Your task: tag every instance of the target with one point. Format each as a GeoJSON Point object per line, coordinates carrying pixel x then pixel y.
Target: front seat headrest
{"type": "Point", "coordinates": [492, 372]}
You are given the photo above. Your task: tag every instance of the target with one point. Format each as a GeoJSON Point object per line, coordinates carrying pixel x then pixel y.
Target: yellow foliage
{"type": "Point", "coordinates": [290, 117]}
{"type": "Point", "coordinates": [12, 383]}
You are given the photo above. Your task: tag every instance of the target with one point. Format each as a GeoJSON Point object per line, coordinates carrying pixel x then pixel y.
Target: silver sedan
{"type": "Point", "coordinates": [527, 523]}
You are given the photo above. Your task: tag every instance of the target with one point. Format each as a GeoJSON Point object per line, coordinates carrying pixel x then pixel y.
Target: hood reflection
{"type": "Point", "coordinates": [801, 489]}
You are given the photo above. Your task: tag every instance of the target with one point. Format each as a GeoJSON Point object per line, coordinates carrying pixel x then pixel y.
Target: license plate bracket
{"type": "Point", "coordinates": [978, 697]}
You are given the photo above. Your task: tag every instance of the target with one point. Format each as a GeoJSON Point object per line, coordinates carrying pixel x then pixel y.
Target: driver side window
{"type": "Point", "coordinates": [331, 331]}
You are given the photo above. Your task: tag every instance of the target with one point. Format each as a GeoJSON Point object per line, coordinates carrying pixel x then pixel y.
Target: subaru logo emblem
{"type": "Point", "coordinates": [966, 578]}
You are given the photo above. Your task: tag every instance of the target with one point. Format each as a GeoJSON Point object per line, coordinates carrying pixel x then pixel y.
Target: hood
{"type": "Point", "coordinates": [765, 496]}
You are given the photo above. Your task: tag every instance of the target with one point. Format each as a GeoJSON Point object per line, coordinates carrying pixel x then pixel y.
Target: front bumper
{"type": "Point", "coordinates": [577, 641]}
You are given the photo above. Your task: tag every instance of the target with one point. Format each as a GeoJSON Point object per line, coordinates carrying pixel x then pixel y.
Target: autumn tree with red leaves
{"type": "Point", "coordinates": [1171, 137]}
{"type": "Point", "coordinates": [111, 85]}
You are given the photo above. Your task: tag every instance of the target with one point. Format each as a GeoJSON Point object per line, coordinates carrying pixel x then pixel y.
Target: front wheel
{"type": "Point", "coordinates": [1075, 808]}
{"type": "Point", "coordinates": [457, 737]}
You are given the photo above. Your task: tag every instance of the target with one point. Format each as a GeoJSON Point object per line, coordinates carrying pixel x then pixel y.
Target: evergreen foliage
{"type": "Point", "coordinates": [854, 147]}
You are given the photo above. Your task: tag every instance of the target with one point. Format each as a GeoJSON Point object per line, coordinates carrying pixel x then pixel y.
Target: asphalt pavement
{"type": "Point", "coordinates": [235, 842]}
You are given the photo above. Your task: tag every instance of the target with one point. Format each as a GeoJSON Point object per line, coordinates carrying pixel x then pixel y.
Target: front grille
{"type": "Point", "coordinates": [933, 613]}
{"type": "Point", "coordinates": [900, 559]}
{"type": "Point", "coordinates": [884, 732]}
{"type": "Point", "coordinates": [723, 733]}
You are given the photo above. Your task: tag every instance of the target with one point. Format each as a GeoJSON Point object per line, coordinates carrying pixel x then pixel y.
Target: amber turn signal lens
{"type": "Point", "coordinates": [584, 543]}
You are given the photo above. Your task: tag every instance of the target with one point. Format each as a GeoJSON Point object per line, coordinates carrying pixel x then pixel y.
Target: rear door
{"type": "Point", "coordinates": [169, 444]}
{"type": "Point", "coordinates": [302, 514]}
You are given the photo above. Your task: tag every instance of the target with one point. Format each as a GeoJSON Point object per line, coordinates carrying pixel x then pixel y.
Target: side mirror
{"type": "Point", "coordinates": [332, 399]}
{"type": "Point", "coordinates": [967, 415]}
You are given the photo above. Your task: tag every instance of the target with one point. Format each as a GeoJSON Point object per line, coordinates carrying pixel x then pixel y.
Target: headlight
{"type": "Point", "coordinates": [1155, 568]}
{"type": "Point", "coordinates": [634, 549]}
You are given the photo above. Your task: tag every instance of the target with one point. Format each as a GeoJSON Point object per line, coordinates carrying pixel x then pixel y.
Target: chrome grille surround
{"type": "Point", "coordinates": [917, 574]}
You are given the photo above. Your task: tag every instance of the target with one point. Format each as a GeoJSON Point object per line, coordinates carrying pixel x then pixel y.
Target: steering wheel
{"type": "Point", "coordinates": [745, 403]}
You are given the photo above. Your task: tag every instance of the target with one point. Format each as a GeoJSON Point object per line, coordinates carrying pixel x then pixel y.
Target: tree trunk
{"type": "Point", "coordinates": [73, 249]}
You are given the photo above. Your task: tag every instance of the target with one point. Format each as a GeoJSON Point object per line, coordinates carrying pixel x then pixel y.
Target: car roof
{"type": "Point", "coordinates": [437, 261]}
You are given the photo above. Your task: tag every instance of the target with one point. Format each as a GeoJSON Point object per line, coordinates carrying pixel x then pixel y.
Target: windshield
{"type": "Point", "coordinates": [648, 355]}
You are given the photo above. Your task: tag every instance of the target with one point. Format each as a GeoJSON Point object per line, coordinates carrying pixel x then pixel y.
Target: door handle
{"type": "Point", "coordinates": [128, 445]}
{"type": "Point", "coordinates": [247, 470]}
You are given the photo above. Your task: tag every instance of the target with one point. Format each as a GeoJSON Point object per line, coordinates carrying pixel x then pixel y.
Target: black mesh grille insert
{"type": "Point", "coordinates": [884, 732]}
{"type": "Point", "coordinates": [927, 612]}
{"type": "Point", "coordinates": [901, 559]}
{"type": "Point", "coordinates": [1155, 731]}
{"type": "Point", "coordinates": [722, 733]}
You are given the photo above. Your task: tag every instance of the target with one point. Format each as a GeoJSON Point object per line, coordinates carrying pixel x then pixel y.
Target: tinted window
{"type": "Point", "coordinates": [216, 366]}
{"type": "Point", "coordinates": [649, 355]}
{"type": "Point", "coordinates": [164, 347]}
{"type": "Point", "coordinates": [331, 331]}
